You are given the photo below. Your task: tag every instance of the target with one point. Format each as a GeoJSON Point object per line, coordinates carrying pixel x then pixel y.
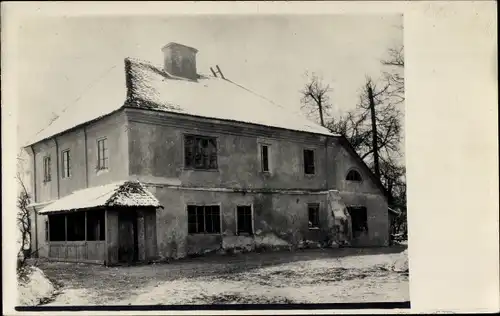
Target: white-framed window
{"type": "Point", "coordinates": [46, 169]}
{"type": "Point", "coordinates": [309, 163]}
{"type": "Point", "coordinates": [313, 213]}
{"type": "Point", "coordinates": [66, 163]}
{"type": "Point", "coordinates": [204, 219]}
{"type": "Point", "coordinates": [244, 219]}
{"type": "Point", "coordinates": [354, 175]}
{"type": "Point", "coordinates": [102, 154]}
{"type": "Point", "coordinates": [264, 157]}
{"type": "Point", "coordinates": [200, 152]}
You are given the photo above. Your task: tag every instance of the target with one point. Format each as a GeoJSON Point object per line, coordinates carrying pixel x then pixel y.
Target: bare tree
{"type": "Point", "coordinates": [24, 220]}
{"type": "Point", "coordinates": [395, 76]}
{"type": "Point", "coordinates": [315, 99]}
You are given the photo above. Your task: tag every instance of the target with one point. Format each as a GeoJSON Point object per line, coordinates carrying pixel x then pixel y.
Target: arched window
{"type": "Point", "coordinates": [353, 175]}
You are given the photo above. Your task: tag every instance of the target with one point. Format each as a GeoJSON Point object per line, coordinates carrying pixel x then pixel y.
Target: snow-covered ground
{"type": "Point", "coordinates": [35, 288]}
{"type": "Point", "coordinates": [357, 278]}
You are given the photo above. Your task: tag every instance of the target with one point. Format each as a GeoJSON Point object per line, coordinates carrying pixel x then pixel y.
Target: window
{"type": "Point", "coordinates": [353, 175]}
{"type": "Point", "coordinates": [244, 220]}
{"type": "Point", "coordinates": [203, 219]}
{"type": "Point", "coordinates": [66, 164]}
{"type": "Point", "coordinates": [359, 220]}
{"type": "Point", "coordinates": [308, 161]}
{"type": "Point", "coordinates": [76, 226]}
{"type": "Point", "coordinates": [95, 226]}
{"type": "Point", "coordinates": [46, 230]}
{"type": "Point", "coordinates": [57, 227]}
{"type": "Point", "coordinates": [46, 169]}
{"type": "Point", "coordinates": [102, 154]}
{"type": "Point", "coordinates": [313, 210]}
{"type": "Point", "coordinates": [200, 152]}
{"type": "Point", "coordinates": [264, 153]}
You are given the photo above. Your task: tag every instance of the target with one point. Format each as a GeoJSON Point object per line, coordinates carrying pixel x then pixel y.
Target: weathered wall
{"type": "Point", "coordinates": [111, 236]}
{"type": "Point", "coordinates": [83, 152]}
{"type": "Point", "coordinates": [156, 149]}
{"type": "Point", "coordinates": [284, 215]}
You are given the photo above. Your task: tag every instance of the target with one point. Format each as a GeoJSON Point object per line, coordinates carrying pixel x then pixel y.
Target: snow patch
{"type": "Point", "coordinates": [35, 289]}
{"type": "Point", "coordinates": [399, 263]}
{"type": "Point", "coordinates": [270, 240]}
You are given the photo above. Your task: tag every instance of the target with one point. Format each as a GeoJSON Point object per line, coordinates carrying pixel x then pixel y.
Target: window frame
{"type": "Point", "coordinates": [252, 220]}
{"type": "Point", "coordinates": [196, 205]}
{"type": "Point", "coordinates": [354, 208]}
{"type": "Point", "coordinates": [313, 161]}
{"type": "Point", "coordinates": [357, 172]}
{"type": "Point", "coordinates": [105, 153]}
{"type": "Point", "coordinates": [47, 169]}
{"type": "Point", "coordinates": [66, 165]}
{"type": "Point", "coordinates": [261, 154]}
{"type": "Point", "coordinates": [318, 208]}
{"type": "Point", "coordinates": [192, 165]}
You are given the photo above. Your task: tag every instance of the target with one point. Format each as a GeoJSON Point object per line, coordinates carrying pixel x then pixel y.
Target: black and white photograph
{"type": "Point", "coordinates": [170, 161]}
{"type": "Point", "coordinates": [213, 160]}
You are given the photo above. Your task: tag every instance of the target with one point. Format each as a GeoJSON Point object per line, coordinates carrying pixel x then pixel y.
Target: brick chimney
{"type": "Point", "coordinates": [180, 60]}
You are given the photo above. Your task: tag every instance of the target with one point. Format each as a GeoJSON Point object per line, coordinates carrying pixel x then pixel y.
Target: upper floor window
{"type": "Point", "coordinates": [264, 157]}
{"type": "Point", "coordinates": [353, 175]}
{"type": "Point", "coordinates": [313, 210]}
{"type": "Point", "coordinates": [200, 152]}
{"type": "Point", "coordinates": [102, 154]}
{"type": "Point", "coordinates": [46, 169]}
{"type": "Point", "coordinates": [66, 164]}
{"type": "Point", "coordinates": [309, 161]}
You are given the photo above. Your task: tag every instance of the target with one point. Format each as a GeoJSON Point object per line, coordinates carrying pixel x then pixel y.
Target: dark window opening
{"type": "Point", "coordinates": [66, 164]}
{"type": "Point", "coordinates": [244, 220]}
{"type": "Point", "coordinates": [96, 229]}
{"type": "Point", "coordinates": [353, 175]}
{"type": "Point", "coordinates": [200, 152]}
{"type": "Point", "coordinates": [265, 158]}
{"type": "Point", "coordinates": [102, 154]}
{"type": "Point", "coordinates": [57, 227]}
{"type": "Point", "coordinates": [308, 161]}
{"type": "Point", "coordinates": [76, 226]}
{"type": "Point", "coordinates": [203, 219]}
{"type": "Point", "coordinates": [313, 210]}
{"type": "Point", "coordinates": [46, 169]}
{"type": "Point", "coordinates": [46, 230]}
{"type": "Point", "coordinates": [359, 220]}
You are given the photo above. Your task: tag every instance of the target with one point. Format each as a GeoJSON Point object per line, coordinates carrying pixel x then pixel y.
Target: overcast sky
{"type": "Point", "coordinates": [60, 57]}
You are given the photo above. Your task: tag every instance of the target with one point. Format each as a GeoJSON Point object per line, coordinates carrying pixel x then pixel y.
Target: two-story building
{"type": "Point", "coordinates": [161, 162]}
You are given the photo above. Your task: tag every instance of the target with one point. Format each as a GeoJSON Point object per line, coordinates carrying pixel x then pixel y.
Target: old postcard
{"type": "Point", "coordinates": [210, 161]}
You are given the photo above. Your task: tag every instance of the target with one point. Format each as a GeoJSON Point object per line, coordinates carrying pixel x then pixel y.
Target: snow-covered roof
{"type": "Point", "coordinates": [144, 85]}
{"type": "Point", "coordinates": [123, 193]}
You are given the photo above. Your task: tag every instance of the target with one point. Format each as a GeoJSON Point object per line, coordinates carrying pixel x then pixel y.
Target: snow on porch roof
{"type": "Point", "coordinates": [123, 193]}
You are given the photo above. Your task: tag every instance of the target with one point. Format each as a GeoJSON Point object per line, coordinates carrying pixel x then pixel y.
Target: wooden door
{"type": "Point", "coordinates": [127, 237]}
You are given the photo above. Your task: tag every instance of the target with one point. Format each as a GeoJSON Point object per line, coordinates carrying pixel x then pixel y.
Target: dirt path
{"type": "Point", "coordinates": [187, 280]}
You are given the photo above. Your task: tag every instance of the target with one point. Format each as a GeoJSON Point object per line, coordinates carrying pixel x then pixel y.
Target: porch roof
{"type": "Point", "coordinates": [123, 193]}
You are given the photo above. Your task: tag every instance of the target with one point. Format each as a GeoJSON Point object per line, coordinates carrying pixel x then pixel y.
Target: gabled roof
{"type": "Point", "coordinates": [144, 85]}
{"type": "Point", "coordinates": [123, 193]}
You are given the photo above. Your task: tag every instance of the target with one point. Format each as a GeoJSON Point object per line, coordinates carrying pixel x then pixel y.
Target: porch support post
{"type": "Point", "coordinates": [85, 225]}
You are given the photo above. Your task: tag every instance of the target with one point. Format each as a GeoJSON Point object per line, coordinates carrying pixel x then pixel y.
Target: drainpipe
{"type": "Point", "coordinates": [57, 167]}
{"type": "Point", "coordinates": [326, 164]}
{"type": "Point", "coordinates": [35, 200]}
{"type": "Point", "coordinates": [86, 158]}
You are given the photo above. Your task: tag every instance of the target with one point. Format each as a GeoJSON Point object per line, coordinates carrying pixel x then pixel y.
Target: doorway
{"type": "Point", "coordinates": [127, 237]}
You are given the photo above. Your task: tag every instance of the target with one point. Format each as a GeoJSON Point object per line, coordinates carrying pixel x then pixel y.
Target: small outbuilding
{"type": "Point", "coordinates": [109, 224]}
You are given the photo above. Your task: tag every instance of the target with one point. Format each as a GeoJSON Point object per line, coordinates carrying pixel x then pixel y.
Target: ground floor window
{"type": "Point", "coordinates": [244, 219]}
{"type": "Point", "coordinates": [95, 226]}
{"type": "Point", "coordinates": [203, 219]}
{"type": "Point", "coordinates": [77, 226]}
{"type": "Point", "coordinates": [359, 220]}
{"type": "Point", "coordinates": [313, 210]}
